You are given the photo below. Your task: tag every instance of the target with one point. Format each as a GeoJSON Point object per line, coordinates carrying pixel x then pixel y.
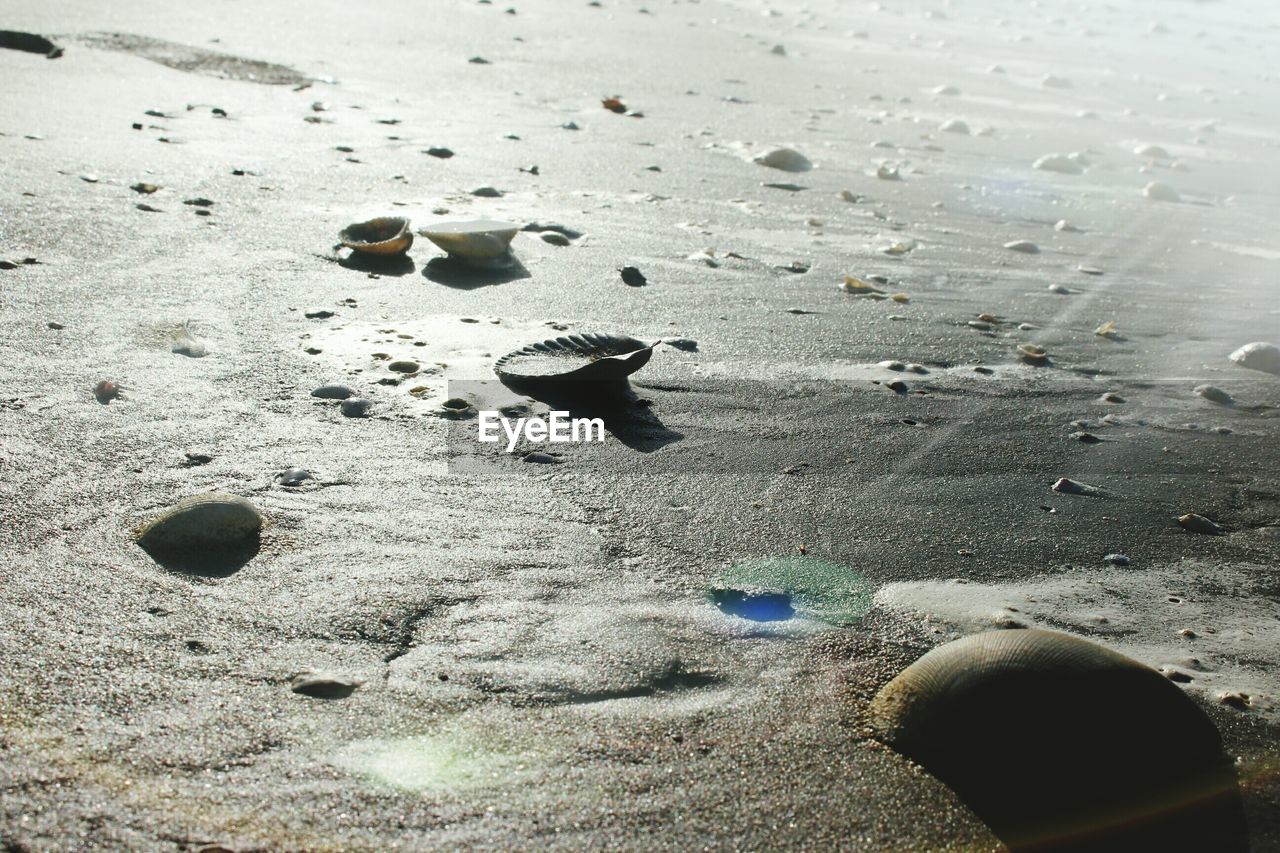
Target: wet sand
{"type": "Point", "coordinates": [542, 660]}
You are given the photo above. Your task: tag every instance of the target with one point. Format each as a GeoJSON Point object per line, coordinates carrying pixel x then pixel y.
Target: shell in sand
{"type": "Point", "coordinates": [386, 235]}
{"type": "Point", "coordinates": [1046, 734]}
{"type": "Point", "coordinates": [575, 358]}
{"type": "Point", "coordinates": [478, 240]}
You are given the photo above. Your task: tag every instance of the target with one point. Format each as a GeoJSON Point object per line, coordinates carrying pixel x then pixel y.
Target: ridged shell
{"type": "Point", "coordinates": [206, 522]}
{"type": "Point", "coordinates": [1045, 734]}
{"type": "Point", "coordinates": [575, 358]}
{"type": "Point", "coordinates": [386, 235]}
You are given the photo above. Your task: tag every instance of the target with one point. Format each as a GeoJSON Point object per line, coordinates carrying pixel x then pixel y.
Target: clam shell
{"type": "Point", "coordinates": [479, 240]}
{"type": "Point", "coordinates": [386, 235]}
{"type": "Point", "coordinates": [784, 159]}
{"type": "Point", "coordinates": [207, 522]}
{"type": "Point", "coordinates": [1046, 735]}
{"type": "Point", "coordinates": [1258, 355]}
{"type": "Point", "coordinates": [575, 358]}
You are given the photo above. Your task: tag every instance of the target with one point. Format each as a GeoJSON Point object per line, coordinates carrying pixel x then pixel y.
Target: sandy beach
{"type": "Point", "coordinates": [1020, 244]}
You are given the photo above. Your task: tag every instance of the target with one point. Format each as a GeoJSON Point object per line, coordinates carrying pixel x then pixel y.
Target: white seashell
{"type": "Point", "coordinates": [1157, 191]}
{"type": "Point", "coordinates": [1058, 163]}
{"type": "Point", "coordinates": [954, 125]}
{"type": "Point", "coordinates": [1024, 246]}
{"type": "Point", "coordinates": [1258, 356]}
{"type": "Point", "coordinates": [186, 343]}
{"type": "Point", "coordinates": [1153, 151]}
{"type": "Point", "coordinates": [479, 240]}
{"type": "Point", "coordinates": [946, 89]}
{"type": "Point", "coordinates": [1065, 227]}
{"type": "Point", "coordinates": [785, 159]}
{"type": "Point", "coordinates": [1053, 81]}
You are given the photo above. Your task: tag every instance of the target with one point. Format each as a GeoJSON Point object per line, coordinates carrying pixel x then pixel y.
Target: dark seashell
{"type": "Point", "coordinates": [575, 358]}
{"type": "Point", "coordinates": [1062, 744]}
{"type": "Point", "coordinates": [386, 235]}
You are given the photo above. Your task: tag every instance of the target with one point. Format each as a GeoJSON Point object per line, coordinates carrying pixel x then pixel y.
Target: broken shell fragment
{"type": "Point", "coordinates": [1193, 523]}
{"type": "Point", "coordinates": [322, 685]}
{"type": "Point", "coordinates": [574, 358]}
{"type": "Point", "coordinates": [479, 241]}
{"type": "Point", "coordinates": [1066, 486]}
{"type": "Point", "coordinates": [1033, 354]}
{"type": "Point", "coordinates": [386, 235]}
{"type": "Point", "coordinates": [785, 159]}
{"type": "Point", "coordinates": [858, 287]}
{"type": "Point", "coordinates": [1107, 330]}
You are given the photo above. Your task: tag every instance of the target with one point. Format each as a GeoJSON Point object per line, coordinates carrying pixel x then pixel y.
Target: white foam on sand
{"type": "Point", "coordinates": [1233, 647]}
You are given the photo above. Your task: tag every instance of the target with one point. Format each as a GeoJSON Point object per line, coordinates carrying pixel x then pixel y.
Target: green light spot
{"type": "Point", "coordinates": [821, 590]}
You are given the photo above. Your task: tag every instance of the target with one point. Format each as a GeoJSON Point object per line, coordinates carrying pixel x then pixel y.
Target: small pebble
{"type": "Point", "coordinates": [1071, 487]}
{"type": "Point", "coordinates": [1111, 397]}
{"type": "Point", "coordinates": [633, 277]}
{"type": "Point", "coordinates": [356, 407]}
{"type": "Point", "coordinates": [1116, 559]}
{"type": "Point", "coordinates": [442, 153]}
{"type": "Point", "coordinates": [1214, 394]}
{"type": "Point", "coordinates": [486, 192]}
{"type": "Point", "coordinates": [897, 386]}
{"type": "Point", "coordinates": [1157, 191]}
{"type": "Point", "coordinates": [332, 392]}
{"type": "Point", "coordinates": [294, 477]}
{"type": "Point", "coordinates": [540, 458]}
{"type": "Point", "coordinates": [1085, 437]}
{"type": "Point", "coordinates": [318, 314]}
{"type": "Point", "coordinates": [106, 391]}
{"type": "Point", "coordinates": [554, 238]}
{"type": "Point", "coordinates": [404, 366]}
{"type": "Point", "coordinates": [1194, 523]}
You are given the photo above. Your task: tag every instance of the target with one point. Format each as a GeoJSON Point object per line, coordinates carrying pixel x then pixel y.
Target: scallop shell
{"type": "Point", "coordinates": [386, 235]}
{"type": "Point", "coordinates": [575, 358]}
{"type": "Point", "coordinates": [1045, 735]}
{"type": "Point", "coordinates": [478, 240]}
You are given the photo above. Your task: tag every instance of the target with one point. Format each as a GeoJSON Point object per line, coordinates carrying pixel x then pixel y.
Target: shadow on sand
{"type": "Point", "coordinates": [627, 417]}
{"type": "Point", "coordinates": [452, 272]}
{"type": "Point", "coordinates": [393, 265]}
{"type": "Point", "coordinates": [211, 563]}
